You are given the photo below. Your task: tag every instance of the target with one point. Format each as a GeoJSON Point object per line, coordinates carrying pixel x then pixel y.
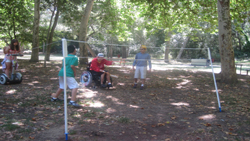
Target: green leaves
{"type": "Point", "coordinates": [16, 18]}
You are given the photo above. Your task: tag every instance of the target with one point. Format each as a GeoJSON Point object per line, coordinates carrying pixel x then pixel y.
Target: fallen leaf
{"type": "Point", "coordinates": [32, 137]}
{"type": "Point", "coordinates": [161, 124]}
{"type": "Point", "coordinates": [167, 122]}
{"type": "Point", "coordinates": [173, 117]}
{"type": "Point", "coordinates": [230, 133]}
{"type": "Point", "coordinates": [207, 124]}
{"type": "Point", "coordinates": [218, 125]}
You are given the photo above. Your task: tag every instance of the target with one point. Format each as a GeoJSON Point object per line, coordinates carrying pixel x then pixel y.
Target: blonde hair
{"type": "Point", "coordinates": [144, 47]}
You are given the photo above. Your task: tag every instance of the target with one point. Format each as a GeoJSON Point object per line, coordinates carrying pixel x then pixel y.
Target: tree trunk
{"type": "Point", "coordinates": [51, 32]}
{"type": "Point", "coordinates": [228, 72]}
{"type": "Point", "coordinates": [14, 26]}
{"type": "Point", "coordinates": [127, 50]}
{"type": "Point", "coordinates": [124, 52]}
{"type": "Point", "coordinates": [90, 50]}
{"type": "Point", "coordinates": [168, 37]}
{"type": "Point", "coordinates": [35, 44]}
{"type": "Point", "coordinates": [83, 32]}
{"type": "Point", "coordinates": [182, 48]}
{"type": "Point", "coordinates": [167, 52]}
{"type": "Point", "coordinates": [110, 53]}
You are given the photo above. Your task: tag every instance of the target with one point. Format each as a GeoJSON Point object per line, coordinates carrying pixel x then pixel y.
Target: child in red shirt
{"type": "Point", "coordinates": [97, 67]}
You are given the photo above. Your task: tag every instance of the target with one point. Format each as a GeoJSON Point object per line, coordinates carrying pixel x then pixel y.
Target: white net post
{"type": "Point", "coordinates": [215, 84]}
{"type": "Point", "coordinates": [65, 52]}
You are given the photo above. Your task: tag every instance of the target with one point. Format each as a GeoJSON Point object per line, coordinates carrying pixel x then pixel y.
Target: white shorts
{"type": "Point", "coordinates": [140, 71]}
{"type": "Point", "coordinates": [8, 60]}
{"type": "Point", "coordinates": [71, 82]}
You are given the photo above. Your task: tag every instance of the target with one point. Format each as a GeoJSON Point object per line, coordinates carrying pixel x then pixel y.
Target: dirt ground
{"type": "Point", "coordinates": [175, 105]}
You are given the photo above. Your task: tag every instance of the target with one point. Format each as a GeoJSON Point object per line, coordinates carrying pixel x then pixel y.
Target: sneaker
{"type": "Point", "coordinates": [135, 85]}
{"type": "Point", "coordinates": [109, 85]}
{"type": "Point", "coordinates": [142, 87]}
{"type": "Point", "coordinates": [55, 100]}
{"type": "Point", "coordinates": [74, 104]}
{"type": "Point", "coordinates": [103, 86]}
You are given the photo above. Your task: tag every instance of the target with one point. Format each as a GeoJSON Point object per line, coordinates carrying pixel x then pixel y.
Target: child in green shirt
{"type": "Point", "coordinates": [71, 63]}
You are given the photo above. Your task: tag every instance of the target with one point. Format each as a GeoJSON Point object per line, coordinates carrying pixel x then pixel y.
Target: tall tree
{"type": "Point", "coordinates": [199, 11]}
{"type": "Point", "coordinates": [35, 44]}
{"type": "Point", "coordinates": [83, 32]}
{"type": "Point", "coordinates": [15, 19]}
{"type": "Point", "coordinates": [225, 40]}
{"type": "Point", "coordinates": [56, 9]}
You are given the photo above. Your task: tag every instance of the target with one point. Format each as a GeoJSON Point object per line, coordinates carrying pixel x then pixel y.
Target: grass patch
{"type": "Point", "coordinates": [89, 115]}
{"type": "Point", "coordinates": [10, 127]}
{"type": "Point", "coordinates": [124, 120]}
{"type": "Point", "coordinates": [22, 130]}
{"type": "Point", "coordinates": [72, 132]}
{"type": "Point", "coordinates": [80, 122]}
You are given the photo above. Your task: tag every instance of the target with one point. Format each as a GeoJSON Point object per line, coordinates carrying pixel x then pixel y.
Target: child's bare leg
{"type": "Point", "coordinates": [73, 94]}
{"type": "Point", "coordinates": [108, 77]}
{"type": "Point", "coordinates": [8, 68]}
{"type": "Point", "coordinates": [136, 80]}
{"type": "Point", "coordinates": [59, 90]}
{"type": "Point", "coordinates": [143, 81]}
{"type": "Point", "coordinates": [102, 78]}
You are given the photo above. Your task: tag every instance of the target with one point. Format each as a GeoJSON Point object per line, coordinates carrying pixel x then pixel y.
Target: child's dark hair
{"type": "Point", "coordinates": [12, 44]}
{"type": "Point", "coordinates": [71, 48]}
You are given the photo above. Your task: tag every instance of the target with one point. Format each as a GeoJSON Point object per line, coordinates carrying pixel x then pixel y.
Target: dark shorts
{"type": "Point", "coordinates": [97, 73]}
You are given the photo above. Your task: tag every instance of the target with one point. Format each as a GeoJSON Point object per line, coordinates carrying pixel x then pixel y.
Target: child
{"type": "Point", "coordinates": [71, 61]}
{"type": "Point", "coordinates": [13, 48]}
{"type": "Point", "coordinates": [97, 67]}
{"type": "Point", "coordinates": [141, 59]}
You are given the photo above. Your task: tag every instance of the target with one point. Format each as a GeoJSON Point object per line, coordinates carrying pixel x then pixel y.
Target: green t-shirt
{"type": "Point", "coordinates": [70, 60]}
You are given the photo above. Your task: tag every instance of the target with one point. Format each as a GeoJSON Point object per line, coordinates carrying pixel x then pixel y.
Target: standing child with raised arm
{"type": "Point", "coordinates": [71, 63]}
{"type": "Point", "coordinates": [140, 62]}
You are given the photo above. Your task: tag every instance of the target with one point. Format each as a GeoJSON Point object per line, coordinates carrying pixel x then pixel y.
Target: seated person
{"type": "Point", "coordinates": [97, 68]}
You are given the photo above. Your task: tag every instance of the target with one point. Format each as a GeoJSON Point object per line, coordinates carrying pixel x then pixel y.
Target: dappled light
{"type": "Point", "coordinates": [18, 123]}
{"type": "Point", "coordinates": [11, 91]}
{"type": "Point", "coordinates": [134, 106]}
{"type": "Point", "coordinates": [31, 84]}
{"type": "Point", "coordinates": [195, 89]}
{"type": "Point", "coordinates": [54, 78]}
{"type": "Point", "coordinates": [207, 117]}
{"type": "Point", "coordinates": [77, 114]}
{"type": "Point", "coordinates": [35, 82]}
{"type": "Point", "coordinates": [219, 90]}
{"type": "Point", "coordinates": [180, 104]}
{"type": "Point", "coordinates": [211, 107]}
{"type": "Point", "coordinates": [87, 93]}
{"type": "Point", "coordinates": [122, 84]}
{"type": "Point", "coordinates": [95, 104]}
{"type": "Point", "coordinates": [110, 110]}
{"type": "Point", "coordinates": [181, 84]}
{"type": "Point", "coordinates": [125, 71]}
{"type": "Point", "coordinates": [115, 100]}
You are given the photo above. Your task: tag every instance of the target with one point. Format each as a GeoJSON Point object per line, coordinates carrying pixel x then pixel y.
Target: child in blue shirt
{"type": "Point", "coordinates": [140, 62]}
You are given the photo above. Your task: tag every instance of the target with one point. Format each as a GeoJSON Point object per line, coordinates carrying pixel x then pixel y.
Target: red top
{"type": "Point", "coordinates": [97, 66]}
